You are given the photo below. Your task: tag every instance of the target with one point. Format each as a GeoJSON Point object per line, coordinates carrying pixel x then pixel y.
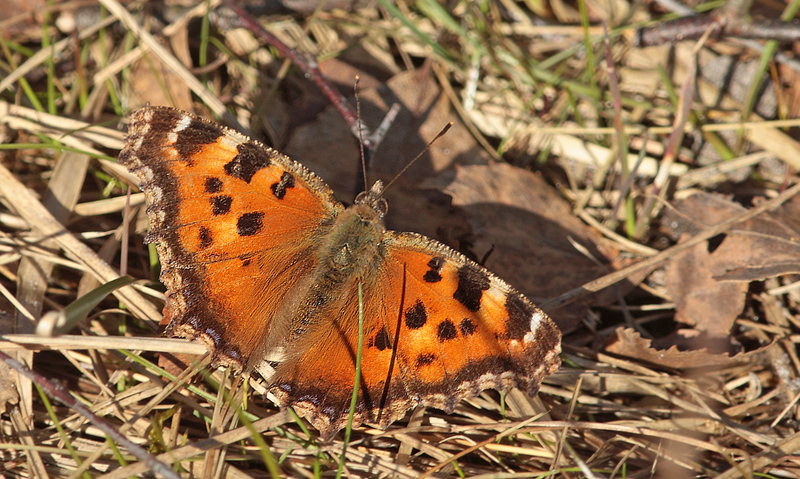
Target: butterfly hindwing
{"type": "Point", "coordinates": [437, 328]}
{"type": "Point", "coordinates": [462, 329]}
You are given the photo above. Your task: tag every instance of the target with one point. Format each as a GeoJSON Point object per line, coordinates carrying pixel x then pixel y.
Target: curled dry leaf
{"type": "Point", "coordinates": [627, 342]}
{"type": "Point", "coordinates": [753, 256]}
{"type": "Point", "coordinates": [763, 247]}
{"type": "Point", "coordinates": [757, 249]}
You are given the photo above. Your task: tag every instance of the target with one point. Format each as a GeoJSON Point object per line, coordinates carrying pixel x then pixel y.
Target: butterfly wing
{"type": "Point", "coordinates": [235, 224]}
{"type": "Point", "coordinates": [437, 328]}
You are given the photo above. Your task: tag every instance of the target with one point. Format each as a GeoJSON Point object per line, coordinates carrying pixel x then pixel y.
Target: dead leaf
{"type": "Point", "coordinates": [701, 210]}
{"type": "Point", "coordinates": [627, 342]}
{"type": "Point", "coordinates": [709, 283]}
{"type": "Point", "coordinates": [788, 214]}
{"type": "Point", "coordinates": [327, 147]}
{"type": "Point", "coordinates": [753, 256]}
{"type": "Point", "coordinates": [757, 249]}
{"type": "Point", "coordinates": [700, 300]}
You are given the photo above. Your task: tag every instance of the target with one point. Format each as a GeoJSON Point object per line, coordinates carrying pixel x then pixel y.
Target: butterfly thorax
{"type": "Point", "coordinates": [353, 243]}
{"type": "Point", "coordinates": [351, 251]}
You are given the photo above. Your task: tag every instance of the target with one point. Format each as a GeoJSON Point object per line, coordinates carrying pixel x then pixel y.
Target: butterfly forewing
{"type": "Point", "coordinates": [234, 222]}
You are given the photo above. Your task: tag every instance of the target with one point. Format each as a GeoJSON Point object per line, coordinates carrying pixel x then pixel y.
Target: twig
{"type": "Point", "coordinates": [745, 33]}
{"type": "Point", "coordinates": [242, 19]}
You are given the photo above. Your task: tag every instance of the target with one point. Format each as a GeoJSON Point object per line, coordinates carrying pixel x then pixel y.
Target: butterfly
{"type": "Point", "coordinates": [259, 259]}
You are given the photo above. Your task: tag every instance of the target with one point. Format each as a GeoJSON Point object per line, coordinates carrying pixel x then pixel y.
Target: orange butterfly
{"type": "Point", "coordinates": [258, 257]}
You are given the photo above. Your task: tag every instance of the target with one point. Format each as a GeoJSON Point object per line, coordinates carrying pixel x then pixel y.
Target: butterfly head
{"type": "Point", "coordinates": [374, 199]}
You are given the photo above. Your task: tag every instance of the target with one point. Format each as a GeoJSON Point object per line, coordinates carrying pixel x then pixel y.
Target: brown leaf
{"type": "Point", "coordinates": [700, 300]}
{"type": "Point", "coordinates": [702, 210]}
{"type": "Point", "coordinates": [757, 249]}
{"type": "Point", "coordinates": [627, 342]}
{"type": "Point", "coordinates": [753, 256]}
{"type": "Point", "coordinates": [326, 146]}
{"type": "Point", "coordinates": [709, 282]}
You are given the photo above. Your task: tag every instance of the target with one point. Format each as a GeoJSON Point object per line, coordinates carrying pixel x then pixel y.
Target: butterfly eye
{"type": "Point", "coordinates": [361, 197]}
{"type": "Point", "coordinates": [382, 207]}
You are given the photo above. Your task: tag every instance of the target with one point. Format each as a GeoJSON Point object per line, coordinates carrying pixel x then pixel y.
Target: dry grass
{"type": "Point", "coordinates": [542, 96]}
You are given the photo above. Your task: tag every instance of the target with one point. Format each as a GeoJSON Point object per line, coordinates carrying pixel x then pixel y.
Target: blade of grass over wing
{"type": "Point", "coordinates": [354, 400]}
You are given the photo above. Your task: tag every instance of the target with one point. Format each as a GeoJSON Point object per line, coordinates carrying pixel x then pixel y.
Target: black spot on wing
{"type": "Point", "coordinates": [194, 137]}
{"type": "Point", "coordinates": [520, 311]}
{"type": "Point", "coordinates": [472, 282]}
{"type": "Point", "coordinates": [425, 359]}
{"type": "Point", "coordinates": [205, 237]}
{"type": "Point", "coordinates": [246, 164]}
{"type": "Point", "coordinates": [416, 316]}
{"type": "Point", "coordinates": [380, 340]}
{"type": "Point", "coordinates": [220, 204]}
{"type": "Point", "coordinates": [250, 224]}
{"type": "Point", "coordinates": [446, 331]}
{"type": "Point", "coordinates": [213, 185]}
{"type": "Point", "coordinates": [466, 326]}
{"type": "Point", "coordinates": [279, 188]}
{"type": "Point", "coordinates": [434, 274]}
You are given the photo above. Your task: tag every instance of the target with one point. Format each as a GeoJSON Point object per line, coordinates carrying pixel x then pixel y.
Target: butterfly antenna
{"type": "Point", "coordinates": [360, 133]}
{"type": "Point", "coordinates": [441, 134]}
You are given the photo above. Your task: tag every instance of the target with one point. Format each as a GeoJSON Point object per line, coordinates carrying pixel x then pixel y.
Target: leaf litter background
{"type": "Point", "coordinates": [684, 368]}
